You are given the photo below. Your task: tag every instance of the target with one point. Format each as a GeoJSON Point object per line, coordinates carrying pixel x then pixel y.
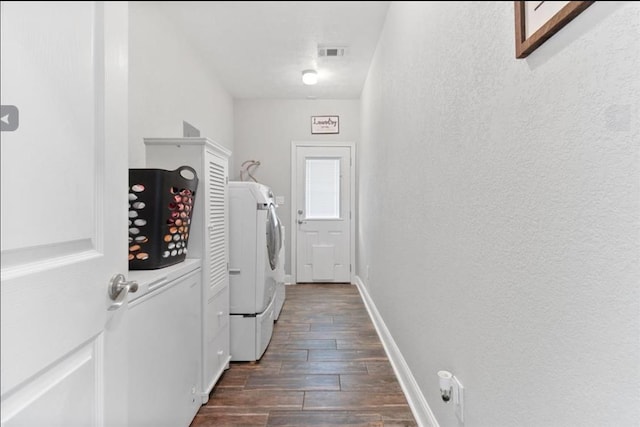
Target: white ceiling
{"type": "Point", "coordinates": [258, 49]}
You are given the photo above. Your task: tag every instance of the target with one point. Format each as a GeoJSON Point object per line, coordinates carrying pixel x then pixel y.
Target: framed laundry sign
{"type": "Point", "coordinates": [325, 124]}
{"type": "Point", "coordinates": [537, 21]}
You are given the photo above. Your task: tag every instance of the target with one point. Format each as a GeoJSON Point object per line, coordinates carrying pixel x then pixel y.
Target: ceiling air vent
{"type": "Point", "coordinates": [331, 50]}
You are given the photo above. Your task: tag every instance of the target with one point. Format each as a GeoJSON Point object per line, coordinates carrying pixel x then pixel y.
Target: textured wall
{"type": "Point", "coordinates": [500, 210]}
{"type": "Point", "coordinates": [168, 83]}
{"type": "Point", "coordinates": [264, 130]}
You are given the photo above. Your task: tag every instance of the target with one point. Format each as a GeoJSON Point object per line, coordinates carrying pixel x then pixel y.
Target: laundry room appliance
{"type": "Point", "coordinates": [280, 289]}
{"type": "Point", "coordinates": [254, 248]}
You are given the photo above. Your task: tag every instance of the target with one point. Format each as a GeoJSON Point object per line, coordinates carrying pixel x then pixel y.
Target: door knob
{"type": "Point", "coordinates": [301, 221]}
{"type": "Point", "coordinates": [119, 288]}
{"type": "Point", "coordinates": [300, 211]}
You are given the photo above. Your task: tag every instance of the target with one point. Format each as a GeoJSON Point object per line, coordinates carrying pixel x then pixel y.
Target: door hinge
{"type": "Point", "coordinates": [227, 267]}
{"type": "Point", "coordinates": [349, 214]}
{"type": "Point", "coordinates": [350, 161]}
{"type": "Point", "coordinates": [226, 179]}
{"type": "Point", "coordinates": [349, 268]}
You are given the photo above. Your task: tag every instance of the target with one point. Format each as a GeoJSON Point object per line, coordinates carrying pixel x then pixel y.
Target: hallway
{"type": "Point", "coordinates": [325, 366]}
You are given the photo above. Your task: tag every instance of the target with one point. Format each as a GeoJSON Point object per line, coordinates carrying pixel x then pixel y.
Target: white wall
{"type": "Point", "coordinates": [168, 83]}
{"type": "Point", "coordinates": [264, 130]}
{"type": "Point", "coordinates": [500, 210]}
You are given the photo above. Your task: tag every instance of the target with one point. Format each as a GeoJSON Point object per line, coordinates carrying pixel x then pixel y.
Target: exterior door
{"type": "Point", "coordinates": [64, 207]}
{"type": "Point", "coordinates": [323, 218]}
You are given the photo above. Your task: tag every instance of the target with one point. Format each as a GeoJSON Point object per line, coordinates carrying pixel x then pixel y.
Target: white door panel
{"type": "Point", "coordinates": [64, 204]}
{"type": "Point", "coordinates": [323, 212]}
{"type": "Point", "coordinates": [323, 261]}
{"type": "Point", "coordinates": [61, 394]}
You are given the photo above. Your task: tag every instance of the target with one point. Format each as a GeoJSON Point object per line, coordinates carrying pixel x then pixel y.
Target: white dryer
{"type": "Point", "coordinates": [280, 289]}
{"type": "Point", "coordinates": [254, 248]}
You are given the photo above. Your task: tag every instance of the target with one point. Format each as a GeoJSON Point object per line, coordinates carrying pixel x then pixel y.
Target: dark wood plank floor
{"type": "Point", "coordinates": [325, 366]}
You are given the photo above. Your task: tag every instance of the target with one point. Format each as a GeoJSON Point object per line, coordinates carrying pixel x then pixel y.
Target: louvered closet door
{"type": "Point", "coordinates": [215, 292]}
{"type": "Point", "coordinates": [216, 222]}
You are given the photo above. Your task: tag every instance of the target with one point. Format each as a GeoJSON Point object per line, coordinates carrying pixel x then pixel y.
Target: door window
{"type": "Point", "coordinates": [322, 188]}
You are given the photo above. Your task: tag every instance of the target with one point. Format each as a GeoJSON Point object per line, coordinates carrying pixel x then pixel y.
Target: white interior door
{"type": "Point", "coordinates": [64, 204]}
{"type": "Point", "coordinates": [323, 213]}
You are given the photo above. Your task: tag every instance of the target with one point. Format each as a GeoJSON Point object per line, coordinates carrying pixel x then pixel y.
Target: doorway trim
{"type": "Point", "coordinates": [294, 202]}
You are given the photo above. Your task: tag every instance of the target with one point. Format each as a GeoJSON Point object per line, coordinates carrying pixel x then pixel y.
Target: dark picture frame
{"type": "Point", "coordinates": [546, 26]}
{"type": "Point", "coordinates": [325, 124]}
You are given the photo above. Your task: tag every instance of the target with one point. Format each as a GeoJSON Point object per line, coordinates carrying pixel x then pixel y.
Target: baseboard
{"type": "Point", "coordinates": [418, 404]}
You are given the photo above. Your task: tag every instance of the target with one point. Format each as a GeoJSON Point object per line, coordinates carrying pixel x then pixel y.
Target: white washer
{"type": "Point", "coordinates": [254, 247]}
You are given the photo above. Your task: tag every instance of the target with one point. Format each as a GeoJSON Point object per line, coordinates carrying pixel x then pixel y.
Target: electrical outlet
{"type": "Point", "coordinates": [458, 398]}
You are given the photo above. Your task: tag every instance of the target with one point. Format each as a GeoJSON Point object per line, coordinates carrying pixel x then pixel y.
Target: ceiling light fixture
{"type": "Point", "coordinates": [309, 77]}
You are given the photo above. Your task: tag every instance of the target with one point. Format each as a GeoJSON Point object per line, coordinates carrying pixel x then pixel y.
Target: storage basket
{"type": "Point", "coordinates": [160, 212]}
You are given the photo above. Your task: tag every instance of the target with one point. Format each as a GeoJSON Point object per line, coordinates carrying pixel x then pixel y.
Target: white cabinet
{"type": "Point", "coordinates": [208, 239]}
{"type": "Point", "coordinates": [163, 344]}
